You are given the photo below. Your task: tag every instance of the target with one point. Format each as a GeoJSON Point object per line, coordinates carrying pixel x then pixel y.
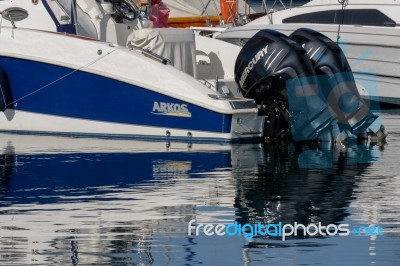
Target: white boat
{"type": "Point", "coordinates": [369, 35]}
{"type": "Point", "coordinates": [67, 84]}
{"type": "Point", "coordinates": [87, 76]}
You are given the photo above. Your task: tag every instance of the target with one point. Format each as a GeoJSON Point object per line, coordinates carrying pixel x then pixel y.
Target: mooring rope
{"type": "Point", "coordinates": [61, 78]}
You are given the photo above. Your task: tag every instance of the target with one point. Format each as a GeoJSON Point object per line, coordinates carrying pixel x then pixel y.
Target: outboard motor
{"type": "Point", "coordinates": [262, 69]}
{"type": "Point", "coordinates": [337, 83]}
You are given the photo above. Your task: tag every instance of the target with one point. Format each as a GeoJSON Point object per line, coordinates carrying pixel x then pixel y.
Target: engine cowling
{"type": "Point", "coordinates": [262, 69]}
{"type": "Point", "coordinates": [304, 86]}
{"type": "Point", "coordinates": [336, 81]}
{"type": "Point", "coordinates": [269, 56]}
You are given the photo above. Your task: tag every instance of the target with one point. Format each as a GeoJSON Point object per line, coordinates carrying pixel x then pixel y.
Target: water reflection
{"type": "Point", "coordinates": [79, 201]}
{"type": "Point", "coordinates": [105, 202]}
{"type": "Point", "coordinates": [295, 184]}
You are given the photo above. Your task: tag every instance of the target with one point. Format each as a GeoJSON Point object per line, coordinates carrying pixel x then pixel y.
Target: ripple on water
{"type": "Point", "coordinates": [104, 202]}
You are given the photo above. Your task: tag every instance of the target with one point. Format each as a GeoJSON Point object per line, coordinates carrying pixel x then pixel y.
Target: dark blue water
{"type": "Point", "coordinates": [66, 201]}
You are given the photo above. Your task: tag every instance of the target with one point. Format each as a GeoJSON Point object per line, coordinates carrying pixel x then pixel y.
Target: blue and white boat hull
{"type": "Point", "coordinates": [70, 85]}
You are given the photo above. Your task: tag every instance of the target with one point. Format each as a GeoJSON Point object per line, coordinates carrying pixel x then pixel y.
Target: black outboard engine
{"type": "Point", "coordinates": [336, 82]}
{"type": "Point", "coordinates": [263, 67]}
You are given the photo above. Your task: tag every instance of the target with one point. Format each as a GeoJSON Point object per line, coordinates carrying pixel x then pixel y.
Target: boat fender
{"type": "Point", "coordinates": [228, 10]}
{"type": "Point", "coordinates": [5, 91]}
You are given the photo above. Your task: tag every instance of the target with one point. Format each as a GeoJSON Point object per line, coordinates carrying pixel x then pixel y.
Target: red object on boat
{"type": "Point", "coordinates": [228, 10]}
{"type": "Point", "coordinates": [159, 14]}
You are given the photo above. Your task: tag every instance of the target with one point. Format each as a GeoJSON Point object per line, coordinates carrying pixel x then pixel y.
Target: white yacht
{"type": "Point", "coordinates": [367, 31]}
{"type": "Point", "coordinates": [77, 84]}
{"type": "Point", "coordinates": [56, 80]}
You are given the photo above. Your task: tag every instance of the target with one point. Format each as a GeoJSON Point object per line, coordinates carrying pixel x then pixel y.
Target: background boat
{"type": "Point", "coordinates": [368, 33]}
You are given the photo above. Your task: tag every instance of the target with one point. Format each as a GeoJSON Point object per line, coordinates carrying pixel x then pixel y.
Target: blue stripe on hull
{"type": "Point", "coordinates": [88, 96]}
{"type": "Point", "coordinates": [38, 177]}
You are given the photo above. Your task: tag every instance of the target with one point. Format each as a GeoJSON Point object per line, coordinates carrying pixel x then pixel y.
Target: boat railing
{"type": "Point", "coordinates": [276, 5]}
{"type": "Point", "coordinates": [204, 11]}
{"type": "Point", "coordinates": [236, 15]}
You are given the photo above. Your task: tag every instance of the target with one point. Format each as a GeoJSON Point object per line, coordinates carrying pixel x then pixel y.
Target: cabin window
{"type": "Point", "coordinates": [322, 17]}
{"type": "Point", "coordinates": [366, 17]}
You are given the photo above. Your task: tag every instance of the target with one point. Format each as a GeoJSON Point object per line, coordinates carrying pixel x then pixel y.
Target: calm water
{"type": "Point", "coordinates": [105, 202]}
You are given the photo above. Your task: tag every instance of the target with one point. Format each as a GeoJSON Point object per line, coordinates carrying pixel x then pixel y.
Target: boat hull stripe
{"type": "Point", "coordinates": [89, 96]}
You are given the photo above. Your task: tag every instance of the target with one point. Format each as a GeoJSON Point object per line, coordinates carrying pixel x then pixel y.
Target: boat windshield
{"type": "Point", "coordinates": [62, 10]}
{"type": "Point", "coordinates": [128, 8]}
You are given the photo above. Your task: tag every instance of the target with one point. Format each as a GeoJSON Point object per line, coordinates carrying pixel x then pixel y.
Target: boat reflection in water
{"type": "Point", "coordinates": [302, 183]}
{"type": "Point", "coordinates": [100, 201]}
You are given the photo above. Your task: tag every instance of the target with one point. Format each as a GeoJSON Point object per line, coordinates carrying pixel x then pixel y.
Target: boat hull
{"type": "Point", "coordinates": [88, 104]}
{"type": "Point", "coordinates": [68, 85]}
